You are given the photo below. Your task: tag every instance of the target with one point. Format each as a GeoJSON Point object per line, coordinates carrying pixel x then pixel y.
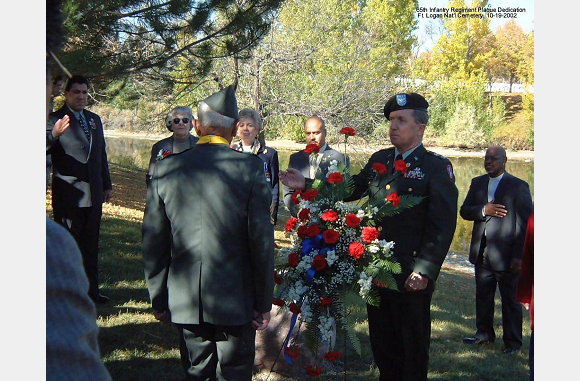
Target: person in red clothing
{"type": "Point", "coordinates": [525, 293]}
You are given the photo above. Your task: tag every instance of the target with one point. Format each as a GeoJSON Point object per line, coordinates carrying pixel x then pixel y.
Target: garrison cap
{"type": "Point", "coordinates": [224, 102]}
{"type": "Point", "coordinates": [404, 101]}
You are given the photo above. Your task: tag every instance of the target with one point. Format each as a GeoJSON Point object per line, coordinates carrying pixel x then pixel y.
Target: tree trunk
{"type": "Point", "coordinates": [256, 96]}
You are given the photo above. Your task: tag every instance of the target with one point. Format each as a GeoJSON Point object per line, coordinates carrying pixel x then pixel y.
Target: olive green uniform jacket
{"type": "Point", "coordinates": [208, 243]}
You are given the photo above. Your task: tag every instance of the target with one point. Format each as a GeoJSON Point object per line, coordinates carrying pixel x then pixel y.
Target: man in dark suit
{"type": "Point", "coordinates": [208, 246]}
{"type": "Point", "coordinates": [313, 166]}
{"type": "Point", "coordinates": [81, 180]}
{"type": "Point", "coordinates": [400, 329]}
{"type": "Point", "coordinates": [499, 205]}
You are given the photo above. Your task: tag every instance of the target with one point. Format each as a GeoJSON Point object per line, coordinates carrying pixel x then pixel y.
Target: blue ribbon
{"type": "Point", "coordinates": [292, 324]}
{"type": "Point", "coordinates": [308, 245]}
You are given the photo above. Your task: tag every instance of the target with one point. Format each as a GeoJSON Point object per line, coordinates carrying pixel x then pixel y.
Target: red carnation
{"type": "Point", "coordinates": [380, 168]}
{"type": "Point", "coordinates": [334, 178]}
{"type": "Point", "coordinates": [311, 148]}
{"type": "Point", "coordinates": [313, 371]}
{"type": "Point", "coordinates": [330, 236]}
{"type": "Point", "coordinates": [291, 223]}
{"type": "Point", "coordinates": [292, 352]}
{"type": "Point", "coordinates": [293, 259]}
{"type": "Point", "coordinates": [302, 231]}
{"type": "Point", "coordinates": [324, 301]}
{"type": "Point", "coordinates": [310, 194]}
{"type": "Point", "coordinates": [329, 216]}
{"type": "Point", "coordinates": [278, 302]}
{"type": "Point", "coordinates": [277, 279]}
{"type": "Point", "coordinates": [369, 234]}
{"type": "Point", "coordinates": [333, 355]}
{"type": "Point", "coordinates": [401, 166]}
{"type": "Point", "coordinates": [348, 131]}
{"type": "Point", "coordinates": [294, 308]}
{"type": "Point", "coordinates": [394, 198]}
{"type": "Point", "coordinates": [313, 230]}
{"type": "Point", "coordinates": [294, 197]}
{"type": "Point", "coordinates": [319, 262]}
{"type": "Point", "coordinates": [356, 250]}
{"type": "Point", "coordinates": [303, 214]}
{"type": "Point", "coordinates": [352, 220]}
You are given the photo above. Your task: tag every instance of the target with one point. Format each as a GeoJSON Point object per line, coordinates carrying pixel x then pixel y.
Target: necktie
{"type": "Point", "coordinates": [313, 165]}
{"type": "Point", "coordinates": [83, 123]}
{"type": "Point", "coordinates": [399, 157]}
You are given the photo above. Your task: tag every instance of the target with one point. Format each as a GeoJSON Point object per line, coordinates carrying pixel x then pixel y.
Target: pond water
{"type": "Point", "coordinates": [135, 152]}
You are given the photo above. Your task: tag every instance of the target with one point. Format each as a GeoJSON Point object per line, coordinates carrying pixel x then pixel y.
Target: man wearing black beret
{"type": "Point", "coordinates": [400, 329]}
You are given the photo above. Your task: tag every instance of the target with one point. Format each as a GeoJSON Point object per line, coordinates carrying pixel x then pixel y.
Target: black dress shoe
{"type": "Point", "coordinates": [511, 351]}
{"type": "Point", "coordinates": [476, 340]}
{"type": "Point", "coordinates": [100, 299]}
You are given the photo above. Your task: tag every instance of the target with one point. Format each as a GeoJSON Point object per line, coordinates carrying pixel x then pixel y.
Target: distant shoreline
{"type": "Point", "coordinates": [286, 144]}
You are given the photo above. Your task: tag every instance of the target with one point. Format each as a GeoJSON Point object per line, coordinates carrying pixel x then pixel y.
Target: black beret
{"type": "Point", "coordinates": [224, 102]}
{"type": "Point", "coordinates": [404, 101]}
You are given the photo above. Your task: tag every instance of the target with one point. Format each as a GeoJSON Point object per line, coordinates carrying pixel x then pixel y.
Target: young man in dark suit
{"type": "Point", "coordinates": [313, 166]}
{"type": "Point", "coordinates": [81, 181]}
{"type": "Point", "coordinates": [499, 205]}
{"type": "Point", "coordinates": [400, 329]}
{"type": "Point", "coordinates": [208, 246]}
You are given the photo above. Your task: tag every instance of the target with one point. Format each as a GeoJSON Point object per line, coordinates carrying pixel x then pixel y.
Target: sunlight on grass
{"type": "Point", "coordinates": [362, 328]}
{"type": "Point", "coordinates": [128, 354]}
{"type": "Point", "coordinates": [123, 212]}
{"type": "Point", "coordinates": [131, 285]}
{"type": "Point", "coordinates": [124, 317]}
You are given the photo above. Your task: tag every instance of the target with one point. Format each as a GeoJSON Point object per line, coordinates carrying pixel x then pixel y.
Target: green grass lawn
{"type": "Point", "coordinates": [134, 346]}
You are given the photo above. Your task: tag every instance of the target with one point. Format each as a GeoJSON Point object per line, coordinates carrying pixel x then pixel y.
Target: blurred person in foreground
{"type": "Point", "coordinates": [72, 349]}
{"type": "Point", "coordinates": [208, 246]}
{"type": "Point", "coordinates": [312, 165]}
{"type": "Point", "coordinates": [180, 122]}
{"type": "Point", "coordinates": [499, 204]}
{"type": "Point", "coordinates": [400, 329]}
{"type": "Point", "coordinates": [249, 128]}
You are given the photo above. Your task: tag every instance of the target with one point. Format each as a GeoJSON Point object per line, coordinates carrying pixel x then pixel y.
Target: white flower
{"type": "Point", "coordinates": [365, 283]}
{"type": "Point", "coordinates": [331, 257]}
{"type": "Point", "coordinates": [386, 245]}
{"type": "Point", "coordinates": [373, 248]}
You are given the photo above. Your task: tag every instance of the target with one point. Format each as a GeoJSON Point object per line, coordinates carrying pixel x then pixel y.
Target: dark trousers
{"type": "Point", "coordinates": [84, 224]}
{"type": "Point", "coordinates": [486, 280]}
{"type": "Point", "coordinates": [400, 335]}
{"type": "Point", "coordinates": [212, 352]}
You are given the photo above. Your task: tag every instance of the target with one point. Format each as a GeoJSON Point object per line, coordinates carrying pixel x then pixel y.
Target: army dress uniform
{"type": "Point", "coordinates": [400, 328]}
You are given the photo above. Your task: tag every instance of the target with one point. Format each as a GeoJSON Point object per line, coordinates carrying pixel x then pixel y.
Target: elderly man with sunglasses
{"type": "Point", "coordinates": [81, 181]}
{"type": "Point", "coordinates": [180, 122]}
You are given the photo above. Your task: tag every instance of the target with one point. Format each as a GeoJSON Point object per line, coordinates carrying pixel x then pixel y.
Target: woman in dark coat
{"type": "Point", "coordinates": [250, 125]}
{"type": "Point", "coordinates": [180, 122]}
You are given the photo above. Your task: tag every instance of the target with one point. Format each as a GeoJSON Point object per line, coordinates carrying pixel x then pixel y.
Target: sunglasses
{"type": "Point", "coordinates": [184, 120]}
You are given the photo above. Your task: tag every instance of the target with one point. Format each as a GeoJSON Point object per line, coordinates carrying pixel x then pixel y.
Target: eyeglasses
{"type": "Point", "coordinates": [184, 120]}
